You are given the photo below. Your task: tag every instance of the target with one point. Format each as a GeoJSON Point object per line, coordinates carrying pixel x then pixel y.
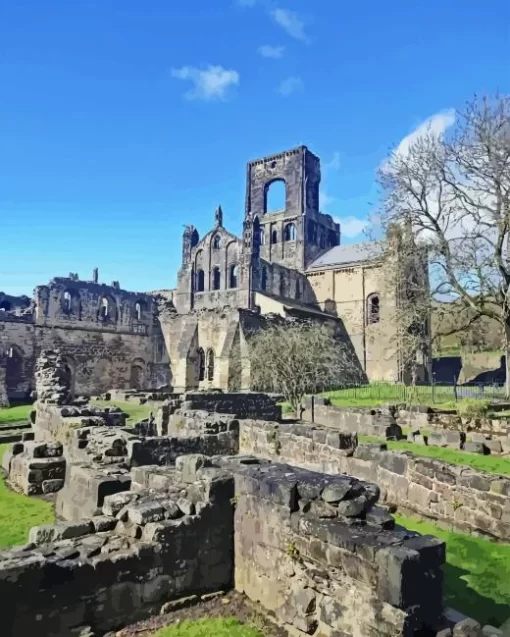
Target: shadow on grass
{"type": "Point", "coordinates": [459, 595]}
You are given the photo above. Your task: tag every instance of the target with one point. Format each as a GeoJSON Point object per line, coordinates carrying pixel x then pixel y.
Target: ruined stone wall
{"type": "Point", "coordinates": [241, 405]}
{"type": "Point", "coordinates": [303, 552]}
{"type": "Point", "coordinates": [121, 346]}
{"type": "Point", "coordinates": [214, 330]}
{"type": "Point", "coordinates": [122, 566]}
{"type": "Point", "coordinates": [471, 500]}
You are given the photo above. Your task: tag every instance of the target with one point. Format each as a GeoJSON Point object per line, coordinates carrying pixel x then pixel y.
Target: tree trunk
{"type": "Point", "coordinates": [507, 363]}
{"type": "Point", "coordinates": [507, 359]}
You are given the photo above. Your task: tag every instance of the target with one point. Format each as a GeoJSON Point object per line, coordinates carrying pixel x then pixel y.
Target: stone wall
{"type": "Point", "coordinates": [470, 500]}
{"type": "Point", "coordinates": [35, 468]}
{"type": "Point", "coordinates": [123, 565]}
{"type": "Point", "coordinates": [125, 348]}
{"type": "Point", "coordinates": [368, 422]}
{"type": "Point", "coordinates": [325, 564]}
{"type": "Point", "coordinates": [241, 405]}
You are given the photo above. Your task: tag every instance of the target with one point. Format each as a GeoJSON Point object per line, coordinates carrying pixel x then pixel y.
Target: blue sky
{"type": "Point", "coordinates": [121, 121]}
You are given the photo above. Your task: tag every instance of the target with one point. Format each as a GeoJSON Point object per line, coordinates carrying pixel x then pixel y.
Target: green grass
{"type": "Point", "coordinates": [19, 413]}
{"type": "Point", "coordinates": [377, 394]}
{"type": "Point", "coordinates": [490, 464]}
{"type": "Point", "coordinates": [19, 513]}
{"type": "Point", "coordinates": [477, 572]}
{"type": "Point", "coordinates": [209, 628]}
{"type": "Point", "coordinates": [135, 412]}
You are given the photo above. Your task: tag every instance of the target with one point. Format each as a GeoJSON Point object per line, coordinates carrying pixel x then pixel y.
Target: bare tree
{"type": "Point", "coordinates": [453, 191]}
{"type": "Point", "coordinates": [300, 357]}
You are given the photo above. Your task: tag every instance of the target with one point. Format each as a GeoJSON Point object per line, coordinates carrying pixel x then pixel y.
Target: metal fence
{"type": "Point", "coordinates": [434, 393]}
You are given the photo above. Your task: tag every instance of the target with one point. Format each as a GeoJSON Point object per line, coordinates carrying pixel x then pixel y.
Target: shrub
{"type": "Point", "coordinates": [473, 408]}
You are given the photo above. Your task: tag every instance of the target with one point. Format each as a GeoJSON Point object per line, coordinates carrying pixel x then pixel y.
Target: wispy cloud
{"type": "Point", "coordinates": [290, 85]}
{"type": "Point", "coordinates": [209, 84]}
{"type": "Point", "coordinates": [290, 22]}
{"type": "Point", "coordinates": [351, 227]}
{"type": "Point", "coordinates": [268, 51]}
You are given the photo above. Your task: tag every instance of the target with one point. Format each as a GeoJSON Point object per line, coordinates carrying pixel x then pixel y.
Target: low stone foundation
{"type": "Point", "coordinates": [471, 500]}
{"type": "Point", "coordinates": [122, 566]}
{"type": "Point", "coordinates": [35, 468]}
{"type": "Point", "coordinates": [324, 575]}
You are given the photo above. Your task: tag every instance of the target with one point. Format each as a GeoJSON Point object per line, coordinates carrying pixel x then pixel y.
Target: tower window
{"type": "Point", "coordinates": [216, 242]}
{"type": "Point", "coordinates": [200, 364]}
{"type": "Point", "coordinates": [233, 276]}
{"type": "Point", "coordinates": [274, 236]}
{"type": "Point", "coordinates": [373, 309]}
{"type": "Point", "coordinates": [290, 232]}
{"type": "Point", "coordinates": [216, 279]}
{"type": "Point", "coordinates": [200, 281]}
{"type": "Point", "coordinates": [210, 365]}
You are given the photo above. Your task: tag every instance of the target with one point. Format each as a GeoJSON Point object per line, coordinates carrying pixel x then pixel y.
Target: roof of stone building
{"type": "Point", "coordinates": [294, 305]}
{"type": "Point", "coordinates": [346, 254]}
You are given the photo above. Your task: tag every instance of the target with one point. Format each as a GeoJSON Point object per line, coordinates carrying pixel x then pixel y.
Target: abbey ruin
{"type": "Point", "coordinates": [223, 495]}
{"type": "Point", "coordinates": [287, 263]}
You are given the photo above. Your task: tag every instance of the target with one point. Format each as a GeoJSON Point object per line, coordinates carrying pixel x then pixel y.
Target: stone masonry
{"type": "Point", "coordinates": [271, 508]}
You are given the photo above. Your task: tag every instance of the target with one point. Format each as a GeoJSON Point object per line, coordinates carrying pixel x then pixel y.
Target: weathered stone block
{"type": "Point", "coordinates": [48, 533]}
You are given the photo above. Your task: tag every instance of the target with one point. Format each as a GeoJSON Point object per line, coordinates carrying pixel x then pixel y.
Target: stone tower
{"type": "Point", "coordinates": [297, 234]}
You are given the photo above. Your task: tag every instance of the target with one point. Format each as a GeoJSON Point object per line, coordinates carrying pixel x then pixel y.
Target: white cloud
{"type": "Point", "coordinates": [436, 125]}
{"type": "Point", "coordinates": [268, 51]}
{"type": "Point", "coordinates": [351, 227]}
{"type": "Point", "coordinates": [290, 85]}
{"type": "Point", "coordinates": [209, 84]}
{"type": "Point", "coordinates": [291, 23]}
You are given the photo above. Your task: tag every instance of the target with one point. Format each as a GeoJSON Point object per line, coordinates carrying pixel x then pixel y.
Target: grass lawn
{"type": "Point", "coordinates": [19, 413]}
{"type": "Point", "coordinates": [477, 572]}
{"type": "Point", "coordinates": [209, 628]}
{"type": "Point", "coordinates": [134, 411]}
{"type": "Point", "coordinates": [377, 394]}
{"type": "Point", "coordinates": [19, 513]}
{"type": "Point", "coordinates": [491, 464]}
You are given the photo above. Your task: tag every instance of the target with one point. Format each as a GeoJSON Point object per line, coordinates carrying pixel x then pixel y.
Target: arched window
{"type": "Point", "coordinates": [262, 236]}
{"type": "Point", "coordinates": [263, 278]}
{"type": "Point", "coordinates": [233, 276]}
{"type": "Point", "coordinates": [67, 301]}
{"type": "Point", "coordinates": [104, 308]}
{"type": "Point", "coordinates": [216, 242]}
{"type": "Point", "coordinates": [138, 311]}
{"type": "Point", "coordinates": [275, 195]}
{"type": "Point", "coordinates": [210, 365]}
{"type": "Point", "coordinates": [373, 308]}
{"type": "Point", "coordinates": [5, 306]}
{"type": "Point", "coordinates": [274, 236]}
{"type": "Point", "coordinates": [290, 232]}
{"type": "Point", "coordinates": [216, 279]}
{"type": "Point", "coordinates": [200, 281]}
{"type": "Point", "coordinates": [200, 364]}
{"type": "Point", "coordinates": [194, 238]}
